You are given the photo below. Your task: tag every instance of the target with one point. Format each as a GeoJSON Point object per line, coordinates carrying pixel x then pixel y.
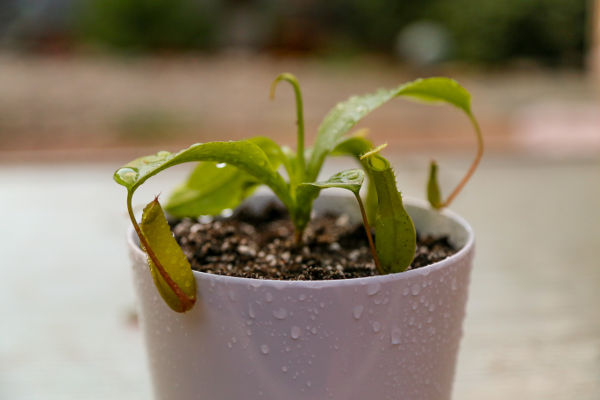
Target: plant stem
{"type": "Point", "coordinates": [186, 301]}
{"type": "Point", "coordinates": [300, 135]}
{"type": "Point", "coordinates": [471, 169]}
{"type": "Point", "coordinates": [368, 232]}
{"type": "Point", "coordinates": [290, 78]}
{"type": "Point", "coordinates": [298, 234]}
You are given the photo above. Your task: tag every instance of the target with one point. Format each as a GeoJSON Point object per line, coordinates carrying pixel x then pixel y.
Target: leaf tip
{"type": "Point", "coordinates": [433, 188]}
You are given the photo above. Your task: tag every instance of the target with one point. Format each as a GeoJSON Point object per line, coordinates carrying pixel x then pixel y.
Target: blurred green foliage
{"type": "Point", "coordinates": [143, 25]}
{"type": "Point", "coordinates": [552, 31]}
{"type": "Point", "coordinates": [485, 31]}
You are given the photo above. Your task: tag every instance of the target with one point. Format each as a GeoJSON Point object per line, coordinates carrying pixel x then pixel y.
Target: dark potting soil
{"type": "Point", "coordinates": [262, 246]}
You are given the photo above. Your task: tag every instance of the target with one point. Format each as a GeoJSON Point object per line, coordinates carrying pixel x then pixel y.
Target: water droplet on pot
{"type": "Point", "coordinates": [302, 297]}
{"type": "Point", "coordinates": [264, 349]}
{"type": "Point", "coordinates": [284, 369]}
{"type": "Point", "coordinates": [376, 326]}
{"type": "Point", "coordinates": [280, 313]}
{"type": "Point", "coordinates": [415, 289]}
{"type": "Point", "coordinates": [295, 332]}
{"type": "Point", "coordinates": [251, 312]}
{"type": "Point", "coordinates": [373, 288]}
{"type": "Point", "coordinates": [268, 297]}
{"type": "Point", "coordinates": [309, 383]}
{"type": "Point", "coordinates": [454, 284]}
{"type": "Point", "coordinates": [396, 336]}
{"type": "Point", "coordinates": [313, 330]}
{"type": "Point", "coordinates": [357, 312]}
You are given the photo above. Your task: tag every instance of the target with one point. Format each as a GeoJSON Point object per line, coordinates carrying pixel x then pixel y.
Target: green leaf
{"type": "Point", "coordinates": [273, 151]}
{"type": "Point", "coordinates": [220, 187]}
{"type": "Point", "coordinates": [350, 179]}
{"type": "Point", "coordinates": [214, 187]}
{"type": "Point", "coordinates": [245, 155]}
{"type": "Point", "coordinates": [395, 235]}
{"type": "Point", "coordinates": [176, 283]}
{"type": "Point", "coordinates": [306, 193]}
{"type": "Point", "coordinates": [348, 113]}
{"type": "Point", "coordinates": [434, 195]}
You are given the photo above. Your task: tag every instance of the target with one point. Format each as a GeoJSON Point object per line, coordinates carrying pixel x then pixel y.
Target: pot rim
{"type": "Point", "coordinates": [464, 251]}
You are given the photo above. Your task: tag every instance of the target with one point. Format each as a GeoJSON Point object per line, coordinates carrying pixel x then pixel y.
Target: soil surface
{"type": "Point", "coordinates": [262, 246]}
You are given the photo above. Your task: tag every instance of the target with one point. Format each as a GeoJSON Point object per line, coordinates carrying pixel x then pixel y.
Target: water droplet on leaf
{"type": "Point", "coordinates": [127, 175]}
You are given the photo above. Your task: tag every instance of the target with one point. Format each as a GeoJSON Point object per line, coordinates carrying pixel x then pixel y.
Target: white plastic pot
{"type": "Point", "coordinates": [383, 337]}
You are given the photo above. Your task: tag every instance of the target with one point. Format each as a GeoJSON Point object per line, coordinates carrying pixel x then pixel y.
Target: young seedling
{"type": "Point", "coordinates": [229, 172]}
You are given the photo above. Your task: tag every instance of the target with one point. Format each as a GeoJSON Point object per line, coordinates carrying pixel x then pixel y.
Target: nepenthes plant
{"type": "Point", "coordinates": [228, 172]}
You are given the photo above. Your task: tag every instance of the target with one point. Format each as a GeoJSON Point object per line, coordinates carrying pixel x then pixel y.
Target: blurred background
{"type": "Point", "coordinates": [87, 85]}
